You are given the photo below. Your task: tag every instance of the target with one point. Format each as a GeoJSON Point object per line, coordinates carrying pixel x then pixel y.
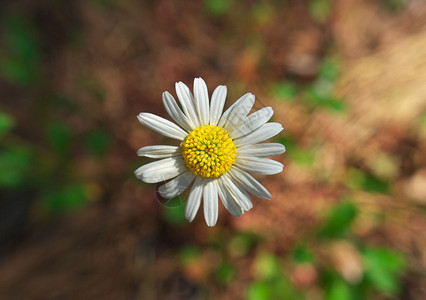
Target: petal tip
{"type": "Point", "coordinates": [141, 116]}
{"type": "Point", "coordinates": [211, 223]}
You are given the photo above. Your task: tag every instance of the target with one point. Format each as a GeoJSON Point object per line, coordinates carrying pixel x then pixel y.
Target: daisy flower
{"type": "Point", "coordinates": [216, 151]}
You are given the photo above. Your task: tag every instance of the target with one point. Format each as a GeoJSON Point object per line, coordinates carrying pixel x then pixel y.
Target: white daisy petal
{"type": "Point", "coordinates": [162, 126]}
{"type": "Point", "coordinates": [194, 199]}
{"type": "Point", "coordinates": [228, 200]}
{"type": "Point", "coordinates": [159, 151]}
{"type": "Point", "coordinates": [240, 112]}
{"type": "Point", "coordinates": [161, 170]}
{"type": "Point", "coordinates": [240, 196]}
{"type": "Point", "coordinates": [187, 102]}
{"type": "Point", "coordinates": [259, 165]}
{"type": "Point", "coordinates": [261, 150]}
{"type": "Point", "coordinates": [264, 132]}
{"type": "Point", "coordinates": [201, 96]}
{"type": "Point", "coordinates": [217, 103]}
{"type": "Point", "coordinates": [211, 208]}
{"type": "Point", "coordinates": [175, 112]}
{"type": "Point", "coordinates": [177, 185]}
{"type": "Point", "coordinates": [251, 123]}
{"type": "Point", "coordinates": [237, 111]}
{"type": "Point", "coordinates": [249, 183]}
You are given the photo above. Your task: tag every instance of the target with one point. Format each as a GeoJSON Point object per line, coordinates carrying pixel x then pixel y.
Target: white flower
{"type": "Point", "coordinates": [216, 150]}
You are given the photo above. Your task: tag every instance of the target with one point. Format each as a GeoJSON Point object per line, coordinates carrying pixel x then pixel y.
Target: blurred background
{"type": "Point", "coordinates": [346, 78]}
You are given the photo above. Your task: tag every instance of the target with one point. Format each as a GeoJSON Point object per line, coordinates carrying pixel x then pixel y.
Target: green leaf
{"type": "Point", "coordinates": [357, 179]}
{"type": "Point", "coordinates": [302, 157]}
{"type": "Point", "coordinates": [188, 254]}
{"type": "Point", "coordinates": [15, 167]}
{"type": "Point", "coordinates": [338, 220]}
{"type": "Point", "coordinates": [259, 290]}
{"type": "Point", "coordinates": [286, 90]}
{"type": "Point", "coordinates": [338, 290]}
{"type": "Point", "coordinates": [354, 178]}
{"type": "Point", "coordinates": [422, 119]}
{"type": "Point", "coordinates": [262, 13]}
{"type": "Point", "coordinates": [6, 123]}
{"type": "Point", "coordinates": [288, 142]}
{"type": "Point", "coordinates": [225, 273]}
{"type": "Point", "coordinates": [267, 266]}
{"type": "Point", "coordinates": [302, 254]}
{"type": "Point", "coordinates": [66, 199]}
{"type": "Point", "coordinates": [395, 5]}
{"type": "Point", "coordinates": [320, 94]}
{"type": "Point", "coordinates": [373, 184]}
{"type": "Point", "coordinates": [17, 71]}
{"type": "Point", "coordinates": [277, 287]}
{"type": "Point", "coordinates": [335, 105]}
{"type": "Point", "coordinates": [98, 142]}
{"type": "Point", "coordinates": [21, 59]}
{"type": "Point", "coordinates": [384, 268]}
{"type": "Point", "coordinates": [329, 69]}
{"type": "Point", "coordinates": [218, 7]}
{"type": "Point", "coordinates": [174, 211]}
{"type": "Point", "coordinates": [59, 136]}
{"type": "Point", "coordinates": [320, 9]}
{"type": "Point", "coordinates": [242, 243]}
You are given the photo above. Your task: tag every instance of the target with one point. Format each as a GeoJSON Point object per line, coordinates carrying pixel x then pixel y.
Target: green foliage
{"type": "Point", "coordinates": [271, 282]}
{"type": "Point", "coordinates": [422, 119]}
{"type": "Point", "coordinates": [286, 90]}
{"type": "Point", "coordinates": [298, 155]}
{"type": "Point", "coordinates": [288, 142]}
{"type": "Point", "coordinates": [6, 123]}
{"type": "Point", "coordinates": [188, 254]}
{"type": "Point", "coordinates": [329, 69]}
{"type": "Point", "coordinates": [302, 157]}
{"type": "Point", "coordinates": [69, 198]}
{"type": "Point", "coordinates": [259, 290]}
{"type": "Point", "coordinates": [174, 212]}
{"type": "Point", "coordinates": [356, 179]}
{"type": "Point", "coordinates": [98, 142]}
{"type": "Point", "coordinates": [320, 9]}
{"type": "Point", "coordinates": [242, 243]}
{"type": "Point", "coordinates": [320, 92]}
{"type": "Point", "coordinates": [319, 95]}
{"type": "Point", "coordinates": [15, 164]}
{"type": "Point", "coordinates": [374, 184]}
{"type": "Point", "coordinates": [59, 136]}
{"type": "Point", "coordinates": [339, 289]}
{"type": "Point", "coordinates": [218, 7]}
{"type": "Point", "coordinates": [262, 13]}
{"type": "Point", "coordinates": [395, 5]}
{"type": "Point", "coordinates": [338, 220]}
{"type": "Point", "coordinates": [20, 58]}
{"type": "Point", "coordinates": [267, 266]}
{"type": "Point", "coordinates": [384, 268]}
{"type": "Point", "coordinates": [225, 273]}
{"type": "Point", "coordinates": [302, 254]}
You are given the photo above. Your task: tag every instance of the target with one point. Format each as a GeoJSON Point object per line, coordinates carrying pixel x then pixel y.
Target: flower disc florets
{"type": "Point", "coordinates": [208, 151]}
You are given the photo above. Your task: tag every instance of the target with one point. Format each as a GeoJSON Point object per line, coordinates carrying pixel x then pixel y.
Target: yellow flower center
{"type": "Point", "coordinates": [208, 151]}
